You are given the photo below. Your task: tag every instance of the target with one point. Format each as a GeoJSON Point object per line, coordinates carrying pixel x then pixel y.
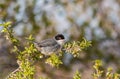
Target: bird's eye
{"type": "Point", "coordinates": [59, 37]}
{"type": "Point", "coordinates": [62, 37]}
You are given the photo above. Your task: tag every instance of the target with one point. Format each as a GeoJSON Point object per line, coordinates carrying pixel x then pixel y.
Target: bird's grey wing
{"type": "Point", "coordinates": [47, 42]}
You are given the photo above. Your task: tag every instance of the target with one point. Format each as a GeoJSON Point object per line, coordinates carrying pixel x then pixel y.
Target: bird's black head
{"type": "Point", "coordinates": [59, 37]}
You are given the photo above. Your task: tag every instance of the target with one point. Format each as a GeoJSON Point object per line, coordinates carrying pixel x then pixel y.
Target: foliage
{"type": "Point", "coordinates": [25, 59]}
{"type": "Point", "coordinates": [76, 47]}
{"type": "Point", "coordinates": [111, 75]}
{"type": "Point", "coordinates": [9, 33]}
{"type": "Point", "coordinates": [54, 60]}
{"type": "Point", "coordinates": [97, 74]}
{"type": "Point", "coordinates": [77, 75]}
{"type": "Point", "coordinates": [29, 55]}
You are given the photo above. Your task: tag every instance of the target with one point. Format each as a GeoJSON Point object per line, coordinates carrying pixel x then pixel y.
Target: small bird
{"type": "Point", "coordinates": [52, 45]}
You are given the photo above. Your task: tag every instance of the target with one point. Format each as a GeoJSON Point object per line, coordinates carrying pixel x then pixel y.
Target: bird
{"type": "Point", "coordinates": [51, 45]}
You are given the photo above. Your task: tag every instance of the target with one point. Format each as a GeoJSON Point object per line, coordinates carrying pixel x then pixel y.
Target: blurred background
{"type": "Point", "coordinates": [96, 20]}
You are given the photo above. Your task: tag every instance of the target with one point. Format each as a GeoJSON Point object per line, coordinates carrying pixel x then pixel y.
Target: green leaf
{"type": "Point", "coordinates": [54, 60]}
{"type": "Point", "coordinates": [77, 75]}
